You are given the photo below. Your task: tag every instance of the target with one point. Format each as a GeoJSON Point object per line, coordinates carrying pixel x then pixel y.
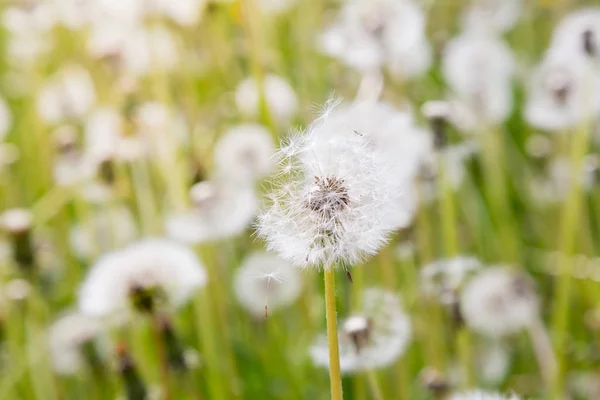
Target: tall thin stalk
{"type": "Point", "coordinates": [335, 375]}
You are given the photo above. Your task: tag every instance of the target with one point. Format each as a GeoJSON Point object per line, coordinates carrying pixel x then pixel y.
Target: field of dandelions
{"type": "Point", "coordinates": [300, 199]}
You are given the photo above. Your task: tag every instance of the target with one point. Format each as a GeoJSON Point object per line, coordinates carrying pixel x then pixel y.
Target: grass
{"type": "Point", "coordinates": [492, 217]}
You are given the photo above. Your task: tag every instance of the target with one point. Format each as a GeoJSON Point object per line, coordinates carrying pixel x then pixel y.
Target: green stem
{"type": "Point", "coordinates": [335, 375]}
{"type": "Point", "coordinates": [374, 385]}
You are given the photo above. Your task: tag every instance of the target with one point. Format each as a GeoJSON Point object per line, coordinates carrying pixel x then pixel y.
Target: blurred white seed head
{"type": "Point", "coordinates": [481, 395]}
{"type": "Point", "coordinates": [16, 220]}
{"type": "Point", "coordinates": [375, 337]}
{"type": "Point", "coordinates": [479, 68]}
{"type": "Point", "coordinates": [244, 153]}
{"type": "Point", "coordinates": [494, 15]}
{"type": "Point", "coordinates": [266, 281]}
{"type": "Point", "coordinates": [335, 198]}
{"type": "Point", "coordinates": [538, 146]}
{"type": "Point", "coordinates": [109, 228]}
{"type": "Point", "coordinates": [499, 301]}
{"type": "Point", "coordinates": [221, 211]}
{"type": "Point", "coordinates": [69, 94]}
{"type": "Point", "coordinates": [369, 35]}
{"type": "Point", "coordinates": [554, 187]}
{"type": "Point", "coordinates": [443, 278]}
{"type": "Point", "coordinates": [579, 31]}
{"type": "Point", "coordinates": [66, 336]}
{"type": "Point", "coordinates": [183, 12]}
{"type": "Point", "coordinates": [17, 289]}
{"type": "Point", "coordinates": [280, 98]}
{"type": "Point", "coordinates": [5, 118]}
{"type": "Point", "coordinates": [161, 266]}
{"type": "Point", "coordinates": [274, 7]}
{"type": "Point", "coordinates": [564, 91]}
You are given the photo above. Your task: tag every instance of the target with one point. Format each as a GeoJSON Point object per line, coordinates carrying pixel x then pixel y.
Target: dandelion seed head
{"type": "Point", "coordinates": [481, 395]}
{"type": "Point", "coordinates": [110, 228]}
{"type": "Point", "coordinates": [280, 98]}
{"type": "Point", "coordinates": [66, 337]}
{"type": "Point", "coordinates": [499, 301]}
{"type": "Point", "coordinates": [579, 32]}
{"type": "Point", "coordinates": [221, 211]}
{"type": "Point", "coordinates": [564, 91]}
{"type": "Point", "coordinates": [244, 153]}
{"type": "Point", "coordinates": [16, 220]}
{"type": "Point", "coordinates": [340, 203]}
{"type": "Point", "coordinates": [151, 265]}
{"type": "Point", "coordinates": [492, 15]}
{"type": "Point", "coordinates": [446, 276]}
{"type": "Point", "coordinates": [373, 338]}
{"type": "Point", "coordinates": [69, 94]}
{"type": "Point", "coordinates": [17, 289]}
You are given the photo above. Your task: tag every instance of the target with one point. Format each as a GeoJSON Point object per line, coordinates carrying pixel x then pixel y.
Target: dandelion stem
{"type": "Point", "coordinates": [374, 385]}
{"type": "Point", "coordinates": [335, 376]}
{"type": "Point", "coordinates": [542, 347]}
{"type": "Point", "coordinates": [570, 217]}
{"type": "Point", "coordinates": [162, 355]}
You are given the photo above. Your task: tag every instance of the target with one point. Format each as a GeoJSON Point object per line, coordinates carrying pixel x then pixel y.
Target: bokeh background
{"type": "Point", "coordinates": [136, 139]}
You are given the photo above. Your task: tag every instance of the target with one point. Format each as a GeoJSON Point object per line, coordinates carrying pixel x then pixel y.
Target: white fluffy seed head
{"type": "Point", "coordinates": [157, 264]}
{"type": "Point", "coordinates": [499, 301]}
{"type": "Point", "coordinates": [280, 97]}
{"type": "Point", "coordinates": [16, 220]}
{"type": "Point", "coordinates": [335, 199]}
{"type": "Point", "coordinates": [69, 94]}
{"type": "Point", "coordinates": [66, 336]}
{"type": "Point", "coordinates": [266, 280]}
{"type": "Point", "coordinates": [373, 338]}
{"type": "Point", "coordinates": [244, 153]}
{"type": "Point", "coordinates": [492, 15]}
{"type": "Point", "coordinates": [479, 67]}
{"type": "Point", "coordinates": [109, 228]}
{"type": "Point", "coordinates": [220, 211]}
{"type": "Point", "coordinates": [579, 31]}
{"type": "Point", "coordinates": [481, 395]}
{"type": "Point", "coordinates": [564, 91]}
{"type": "Point", "coordinates": [443, 278]}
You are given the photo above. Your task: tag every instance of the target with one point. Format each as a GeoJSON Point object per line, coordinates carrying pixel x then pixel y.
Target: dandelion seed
{"type": "Point", "coordinates": [264, 281]}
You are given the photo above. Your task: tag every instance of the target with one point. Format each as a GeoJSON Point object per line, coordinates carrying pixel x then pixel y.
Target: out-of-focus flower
{"type": "Point", "coordinates": [244, 153]}
{"type": "Point", "coordinates": [564, 91]}
{"type": "Point", "coordinates": [481, 395]}
{"type": "Point", "coordinates": [579, 32]}
{"type": "Point", "coordinates": [182, 12]}
{"type": "Point", "coordinates": [144, 276]}
{"type": "Point", "coordinates": [478, 68]}
{"type": "Point", "coordinates": [384, 33]}
{"type": "Point", "coordinates": [265, 280]}
{"type": "Point", "coordinates": [373, 338]}
{"type": "Point", "coordinates": [336, 197]}
{"type": "Point", "coordinates": [110, 228]}
{"type": "Point", "coordinates": [28, 28]}
{"type": "Point", "coordinates": [275, 6]}
{"type": "Point", "coordinates": [452, 159]}
{"type": "Point", "coordinates": [5, 119]}
{"type": "Point", "coordinates": [66, 338]}
{"type": "Point", "coordinates": [499, 301]}
{"type": "Point", "coordinates": [280, 98]}
{"type": "Point", "coordinates": [497, 15]}
{"type": "Point", "coordinates": [70, 94]}
{"type": "Point", "coordinates": [221, 210]}
{"type": "Point", "coordinates": [443, 278]}
{"type": "Point", "coordinates": [556, 185]}
{"type": "Point", "coordinates": [17, 289]}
